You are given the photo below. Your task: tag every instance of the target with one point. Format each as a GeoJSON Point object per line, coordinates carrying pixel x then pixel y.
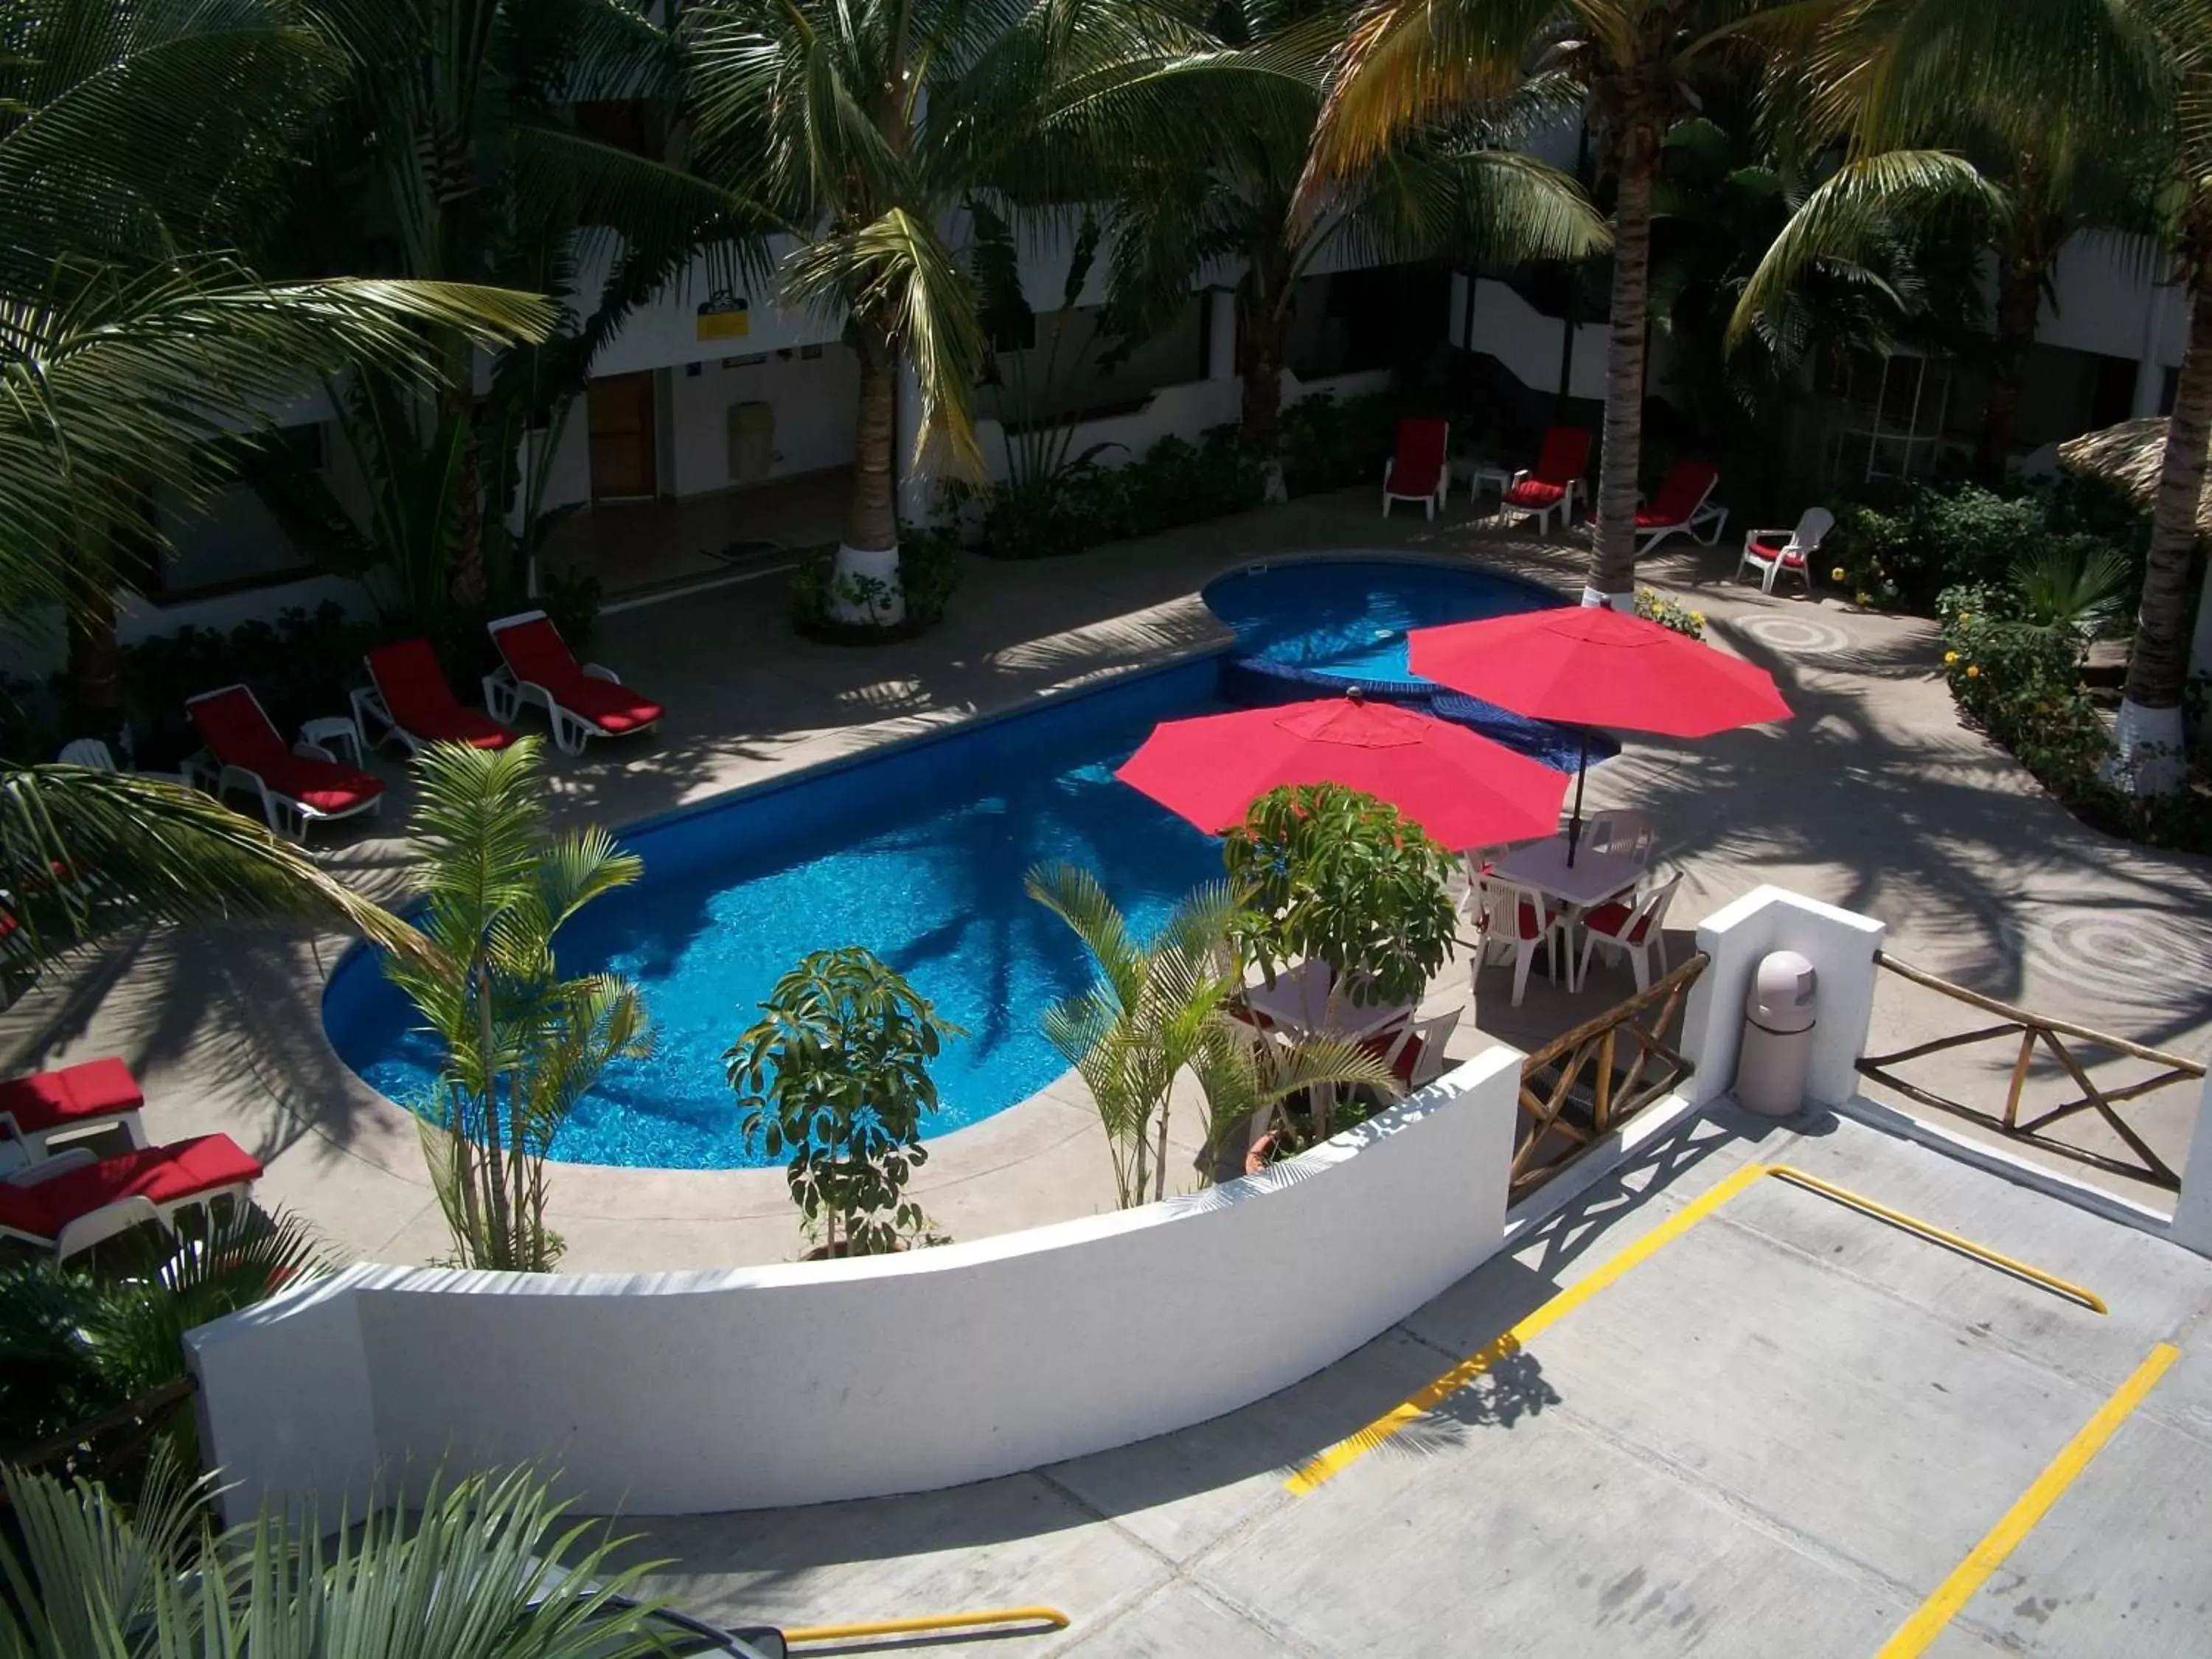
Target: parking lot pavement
{"type": "Point", "coordinates": [1767, 1423]}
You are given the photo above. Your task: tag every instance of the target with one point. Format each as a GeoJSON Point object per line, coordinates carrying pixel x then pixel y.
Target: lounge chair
{"type": "Point", "coordinates": [583, 700]}
{"type": "Point", "coordinates": [408, 696]}
{"type": "Point", "coordinates": [73, 1201]}
{"type": "Point", "coordinates": [1552, 485]}
{"type": "Point", "coordinates": [96, 1094]}
{"type": "Point", "coordinates": [1771, 552]}
{"type": "Point", "coordinates": [1682, 504]}
{"type": "Point", "coordinates": [1417, 472]}
{"type": "Point", "coordinates": [299, 786]}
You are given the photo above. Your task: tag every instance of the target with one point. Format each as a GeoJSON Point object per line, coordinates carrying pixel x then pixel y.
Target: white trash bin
{"type": "Point", "coordinates": [1778, 1017]}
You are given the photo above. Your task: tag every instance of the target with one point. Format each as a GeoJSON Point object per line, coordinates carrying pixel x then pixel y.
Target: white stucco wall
{"type": "Point", "coordinates": [680, 1393]}
{"type": "Point", "coordinates": [1507, 327]}
{"type": "Point", "coordinates": [814, 400]}
{"type": "Point", "coordinates": [1841, 946]}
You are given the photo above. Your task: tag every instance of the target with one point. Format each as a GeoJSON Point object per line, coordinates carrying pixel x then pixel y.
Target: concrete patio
{"type": "Point", "coordinates": [1782, 1430]}
{"type": "Point", "coordinates": [1874, 798]}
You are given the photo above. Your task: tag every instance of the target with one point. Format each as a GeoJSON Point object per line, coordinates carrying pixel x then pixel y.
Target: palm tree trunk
{"type": "Point", "coordinates": [872, 514]}
{"type": "Point", "coordinates": [1612, 562]}
{"type": "Point", "coordinates": [2019, 306]}
{"type": "Point", "coordinates": [96, 660]}
{"type": "Point", "coordinates": [2147, 742]}
{"type": "Point", "coordinates": [1263, 320]}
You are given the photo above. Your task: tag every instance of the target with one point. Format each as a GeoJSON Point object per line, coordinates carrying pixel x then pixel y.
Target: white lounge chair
{"type": "Point", "coordinates": [583, 700]}
{"type": "Point", "coordinates": [1771, 552]}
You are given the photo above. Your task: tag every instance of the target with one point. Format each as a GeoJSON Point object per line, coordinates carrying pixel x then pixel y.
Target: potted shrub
{"type": "Point", "coordinates": [835, 1079]}
{"type": "Point", "coordinates": [1336, 875]}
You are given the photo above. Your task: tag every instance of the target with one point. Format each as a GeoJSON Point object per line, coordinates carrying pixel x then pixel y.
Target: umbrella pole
{"type": "Point", "coordinates": [1574, 823]}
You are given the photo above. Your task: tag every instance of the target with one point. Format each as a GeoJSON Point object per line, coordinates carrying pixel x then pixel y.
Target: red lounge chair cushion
{"type": "Point", "coordinates": [1683, 493]}
{"type": "Point", "coordinates": [609, 706]}
{"type": "Point", "coordinates": [1564, 457]}
{"type": "Point", "coordinates": [75, 1094]}
{"type": "Point", "coordinates": [1781, 551]}
{"type": "Point", "coordinates": [1419, 465]}
{"type": "Point", "coordinates": [166, 1175]}
{"type": "Point", "coordinates": [237, 731]}
{"type": "Point", "coordinates": [535, 651]}
{"type": "Point", "coordinates": [321, 786]}
{"type": "Point", "coordinates": [1536, 493]}
{"type": "Point", "coordinates": [413, 689]}
{"type": "Point", "coordinates": [1610, 919]}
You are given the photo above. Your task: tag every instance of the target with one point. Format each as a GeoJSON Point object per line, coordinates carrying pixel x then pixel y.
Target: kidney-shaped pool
{"type": "Point", "coordinates": [917, 852]}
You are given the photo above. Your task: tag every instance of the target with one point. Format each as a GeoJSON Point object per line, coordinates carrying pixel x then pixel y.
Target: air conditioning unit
{"type": "Point", "coordinates": [752, 442]}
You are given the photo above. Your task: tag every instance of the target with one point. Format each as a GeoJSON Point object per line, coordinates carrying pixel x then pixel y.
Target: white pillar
{"type": "Point", "coordinates": [2192, 1206]}
{"type": "Point", "coordinates": [1220, 334]}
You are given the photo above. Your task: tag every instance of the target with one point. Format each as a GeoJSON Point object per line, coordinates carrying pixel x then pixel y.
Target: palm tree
{"type": "Point", "coordinates": [860, 128]}
{"type": "Point", "coordinates": [1221, 187]}
{"type": "Point", "coordinates": [476, 171]}
{"type": "Point", "coordinates": [1411, 62]}
{"type": "Point", "coordinates": [481, 1568]}
{"type": "Point", "coordinates": [2132, 76]}
{"type": "Point", "coordinates": [137, 141]}
{"type": "Point", "coordinates": [1159, 1008]}
{"type": "Point", "coordinates": [522, 1044]}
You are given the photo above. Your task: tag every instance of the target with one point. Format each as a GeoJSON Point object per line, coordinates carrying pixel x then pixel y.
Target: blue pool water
{"type": "Point", "coordinates": [1349, 619]}
{"type": "Point", "coordinates": [918, 854]}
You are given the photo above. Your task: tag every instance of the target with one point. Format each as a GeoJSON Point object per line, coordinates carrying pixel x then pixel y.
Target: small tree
{"type": "Point", "coordinates": [522, 1044]}
{"type": "Point", "coordinates": [836, 1077]}
{"type": "Point", "coordinates": [1340, 877]}
{"type": "Point", "coordinates": [1159, 1008]}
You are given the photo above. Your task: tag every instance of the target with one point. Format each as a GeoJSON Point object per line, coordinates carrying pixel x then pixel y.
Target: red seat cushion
{"type": "Point", "coordinates": [323, 785]}
{"type": "Point", "coordinates": [1610, 919]}
{"type": "Point", "coordinates": [413, 689]}
{"type": "Point", "coordinates": [1536, 493]}
{"type": "Point", "coordinates": [609, 706]}
{"type": "Point", "coordinates": [166, 1175]}
{"type": "Point", "coordinates": [1681, 495]}
{"type": "Point", "coordinates": [1564, 456]}
{"type": "Point", "coordinates": [1404, 1063]}
{"type": "Point", "coordinates": [1528, 919]}
{"type": "Point", "coordinates": [1417, 466]}
{"type": "Point", "coordinates": [535, 651]}
{"type": "Point", "coordinates": [75, 1094]}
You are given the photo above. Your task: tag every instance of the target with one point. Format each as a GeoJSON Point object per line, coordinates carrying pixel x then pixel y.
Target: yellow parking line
{"type": "Point", "coordinates": [1349, 1450]}
{"type": "Point", "coordinates": [1914, 1636]}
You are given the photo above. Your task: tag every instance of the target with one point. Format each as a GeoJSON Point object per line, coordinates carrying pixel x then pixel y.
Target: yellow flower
{"type": "Point", "coordinates": [1973, 671]}
{"type": "Point", "coordinates": [1697, 615]}
{"type": "Point", "coordinates": [1965, 617]}
{"type": "Point", "coordinates": [1950, 657]}
{"type": "Point", "coordinates": [1836, 574]}
{"type": "Point", "coordinates": [1863, 598]}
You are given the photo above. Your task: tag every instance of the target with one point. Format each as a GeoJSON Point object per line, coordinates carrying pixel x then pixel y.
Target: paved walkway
{"type": "Point", "coordinates": [1781, 1431]}
{"type": "Point", "coordinates": [1875, 797]}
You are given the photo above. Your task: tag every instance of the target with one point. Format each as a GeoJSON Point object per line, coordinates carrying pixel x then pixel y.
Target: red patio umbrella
{"type": "Point", "coordinates": [1590, 665]}
{"type": "Point", "coordinates": [1464, 789]}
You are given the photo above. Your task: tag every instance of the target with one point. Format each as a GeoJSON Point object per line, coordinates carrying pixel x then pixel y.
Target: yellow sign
{"type": "Point", "coordinates": [724, 316]}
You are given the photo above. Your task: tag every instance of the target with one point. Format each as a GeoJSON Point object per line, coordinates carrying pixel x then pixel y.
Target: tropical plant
{"type": "Point", "coordinates": [138, 144]}
{"type": "Point", "coordinates": [834, 1077]}
{"type": "Point", "coordinates": [1653, 606]}
{"type": "Point", "coordinates": [863, 130]}
{"type": "Point", "coordinates": [1223, 189]}
{"type": "Point", "coordinates": [521, 1044]}
{"type": "Point", "coordinates": [485, 1567]}
{"type": "Point", "coordinates": [1336, 876]}
{"type": "Point", "coordinates": [2076, 586]}
{"type": "Point", "coordinates": [1160, 1007]}
{"type": "Point", "coordinates": [459, 157]}
{"type": "Point", "coordinates": [1408, 62]}
{"type": "Point", "coordinates": [99, 1343]}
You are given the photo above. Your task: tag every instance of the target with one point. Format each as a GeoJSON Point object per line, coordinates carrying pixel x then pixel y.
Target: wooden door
{"type": "Point", "coordinates": [621, 413]}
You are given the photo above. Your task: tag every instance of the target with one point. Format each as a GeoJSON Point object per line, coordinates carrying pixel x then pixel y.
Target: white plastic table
{"type": "Point", "coordinates": [1298, 999]}
{"type": "Point", "coordinates": [1593, 878]}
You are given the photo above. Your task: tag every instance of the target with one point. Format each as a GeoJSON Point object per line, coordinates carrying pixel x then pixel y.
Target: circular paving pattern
{"type": "Point", "coordinates": [1799, 636]}
{"type": "Point", "coordinates": [2133, 958]}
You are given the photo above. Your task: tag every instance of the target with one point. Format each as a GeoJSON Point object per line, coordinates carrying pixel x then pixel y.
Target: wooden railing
{"type": "Point", "coordinates": [2034, 1029]}
{"type": "Point", "coordinates": [96, 1448]}
{"type": "Point", "coordinates": [1579, 1087]}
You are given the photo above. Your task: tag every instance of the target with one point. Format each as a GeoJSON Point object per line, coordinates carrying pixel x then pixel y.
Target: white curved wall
{"type": "Point", "coordinates": [746, 1389]}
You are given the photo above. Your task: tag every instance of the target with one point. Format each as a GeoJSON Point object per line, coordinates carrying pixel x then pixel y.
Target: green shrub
{"type": "Point", "coordinates": [1902, 552]}
{"type": "Point", "coordinates": [302, 665]}
{"type": "Point", "coordinates": [929, 570]}
{"type": "Point", "coordinates": [1655, 606]}
{"type": "Point", "coordinates": [1082, 504]}
{"type": "Point", "coordinates": [1327, 445]}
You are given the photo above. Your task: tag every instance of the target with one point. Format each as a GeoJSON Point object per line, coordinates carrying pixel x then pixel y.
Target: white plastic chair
{"type": "Point", "coordinates": [1623, 834]}
{"type": "Point", "coordinates": [89, 752]}
{"type": "Point", "coordinates": [1519, 920]}
{"type": "Point", "coordinates": [1416, 1056]}
{"type": "Point", "coordinates": [1634, 929]}
{"type": "Point", "coordinates": [1771, 552]}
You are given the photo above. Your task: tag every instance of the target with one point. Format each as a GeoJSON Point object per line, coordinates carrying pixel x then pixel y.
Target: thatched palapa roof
{"type": "Point", "coordinates": [2130, 456]}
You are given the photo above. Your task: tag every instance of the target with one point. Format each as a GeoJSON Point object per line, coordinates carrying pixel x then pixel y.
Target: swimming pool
{"type": "Point", "coordinates": [1347, 619]}
{"type": "Point", "coordinates": [918, 852]}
